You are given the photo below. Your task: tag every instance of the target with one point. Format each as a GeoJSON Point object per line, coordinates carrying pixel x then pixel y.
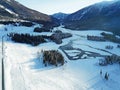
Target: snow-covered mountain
{"type": "Point", "coordinates": [104, 15]}
{"type": "Point", "coordinates": [60, 16]}
{"type": "Point", "coordinates": [11, 10]}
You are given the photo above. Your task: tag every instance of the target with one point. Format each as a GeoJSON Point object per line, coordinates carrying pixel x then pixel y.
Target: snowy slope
{"type": "Point", "coordinates": [24, 69]}
{"type": "Point", "coordinates": [11, 12]}
{"type": "Point", "coordinates": [103, 16]}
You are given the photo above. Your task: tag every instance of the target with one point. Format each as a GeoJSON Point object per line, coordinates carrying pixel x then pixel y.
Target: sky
{"type": "Point", "coordinates": [54, 6]}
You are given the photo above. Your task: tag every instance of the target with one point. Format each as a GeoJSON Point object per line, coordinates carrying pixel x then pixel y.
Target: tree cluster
{"type": "Point", "coordinates": [110, 37]}
{"type": "Point", "coordinates": [27, 38]}
{"type": "Point", "coordinates": [109, 47]}
{"type": "Point", "coordinates": [112, 59]}
{"type": "Point", "coordinates": [109, 60]}
{"type": "Point", "coordinates": [37, 29]}
{"type": "Point", "coordinates": [95, 38]}
{"type": "Point", "coordinates": [52, 57]}
{"type": "Point", "coordinates": [27, 24]}
{"type": "Point", "coordinates": [118, 46]}
{"type": "Point", "coordinates": [7, 22]}
{"type": "Point", "coordinates": [57, 36]}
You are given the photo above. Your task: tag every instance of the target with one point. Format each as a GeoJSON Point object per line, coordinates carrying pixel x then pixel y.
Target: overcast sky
{"type": "Point", "coordinates": [54, 6]}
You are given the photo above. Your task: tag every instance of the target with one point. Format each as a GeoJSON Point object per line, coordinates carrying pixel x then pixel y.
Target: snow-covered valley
{"type": "Point", "coordinates": [24, 69]}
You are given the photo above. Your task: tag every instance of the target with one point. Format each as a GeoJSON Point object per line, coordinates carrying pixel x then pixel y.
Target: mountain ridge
{"type": "Point", "coordinates": [11, 10]}
{"type": "Point", "coordinates": [60, 15]}
{"type": "Point", "coordinates": [100, 16]}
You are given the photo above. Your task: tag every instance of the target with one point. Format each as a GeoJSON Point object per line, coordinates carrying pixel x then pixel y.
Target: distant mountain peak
{"type": "Point", "coordinates": [60, 15]}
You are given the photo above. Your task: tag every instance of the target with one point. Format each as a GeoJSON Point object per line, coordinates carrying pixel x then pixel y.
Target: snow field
{"type": "Point", "coordinates": [25, 71]}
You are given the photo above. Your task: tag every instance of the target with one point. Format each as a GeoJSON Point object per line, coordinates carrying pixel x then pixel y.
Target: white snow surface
{"type": "Point", "coordinates": [24, 69]}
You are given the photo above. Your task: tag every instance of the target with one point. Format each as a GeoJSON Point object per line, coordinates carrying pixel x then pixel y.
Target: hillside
{"type": "Point", "coordinates": [60, 16]}
{"type": "Point", "coordinates": [100, 16]}
{"type": "Point", "coordinates": [11, 10]}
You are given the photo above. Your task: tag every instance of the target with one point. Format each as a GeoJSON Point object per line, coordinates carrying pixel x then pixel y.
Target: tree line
{"type": "Point", "coordinates": [27, 38]}
{"type": "Point", "coordinates": [110, 37]}
{"type": "Point", "coordinates": [35, 40]}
